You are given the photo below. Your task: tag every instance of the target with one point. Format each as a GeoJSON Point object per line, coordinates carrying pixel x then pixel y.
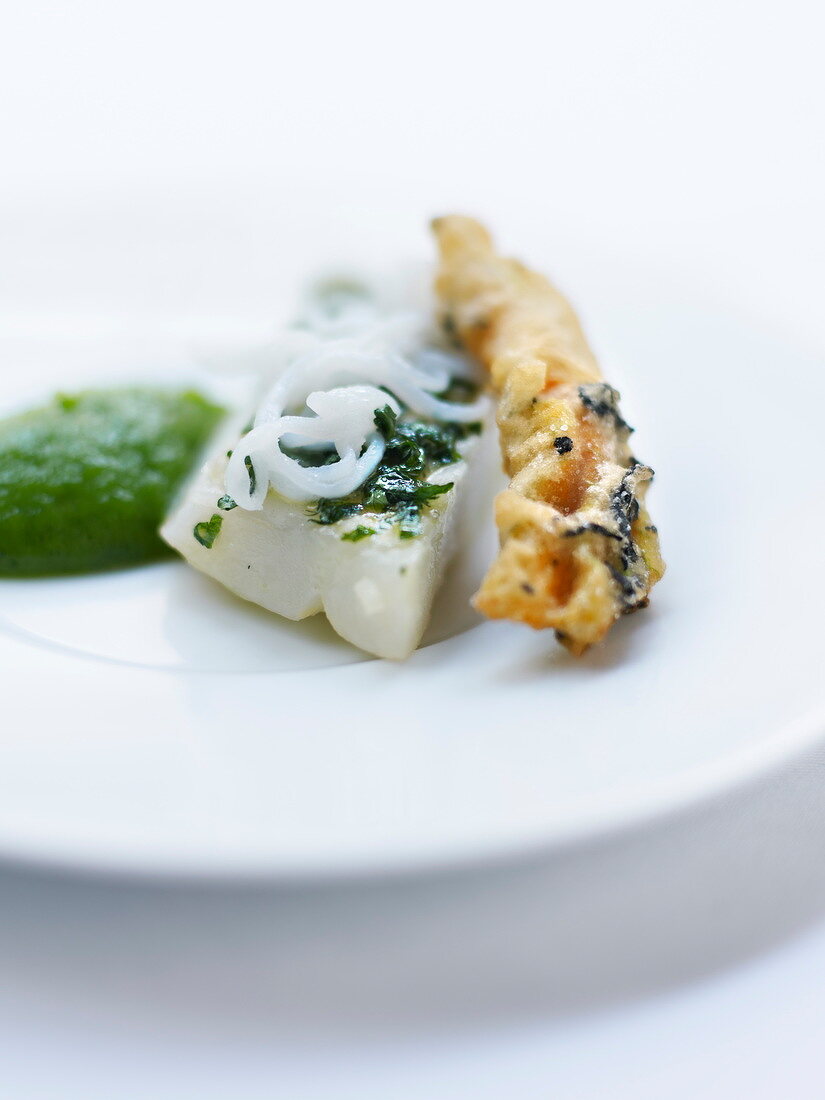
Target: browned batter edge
{"type": "Point", "coordinates": [578, 548]}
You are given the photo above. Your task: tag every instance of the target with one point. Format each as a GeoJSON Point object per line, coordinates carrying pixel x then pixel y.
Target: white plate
{"type": "Point", "coordinates": [154, 724]}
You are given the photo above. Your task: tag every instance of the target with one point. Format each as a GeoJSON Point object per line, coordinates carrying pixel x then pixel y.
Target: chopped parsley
{"type": "Point", "coordinates": [207, 531]}
{"type": "Point", "coordinates": [250, 469]}
{"type": "Point", "coordinates": [306, 456]}
{"type": "Point", "coordinates": [226, 503]}
{"type": "Point", "coordinates": [385, 421]}
{"type": "Point", "coordinates": [398, 488]}
{"type": "Point", "coordinates": [409, 523]}
{"type": "Point", "coordinates": [358, 533]}
{"type": "Point", "coordinates": [330, 511]}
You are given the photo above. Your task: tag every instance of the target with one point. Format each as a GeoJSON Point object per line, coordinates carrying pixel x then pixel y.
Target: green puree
{"type": "Point", "coordinates": [86, 480]}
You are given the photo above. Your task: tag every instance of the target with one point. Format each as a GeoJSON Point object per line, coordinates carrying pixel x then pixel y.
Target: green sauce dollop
{"type": "Point", "coordinates": [86, 480]}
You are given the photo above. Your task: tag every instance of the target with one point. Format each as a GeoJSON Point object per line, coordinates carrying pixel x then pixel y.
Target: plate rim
{"type": "Point", "coordinates": [636, 807]}
{"type": "Point", "coordinates": [696, 787]}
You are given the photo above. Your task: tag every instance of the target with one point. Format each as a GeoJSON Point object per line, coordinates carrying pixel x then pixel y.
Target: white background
{"type": "Point", "coordinates": [685, 961]}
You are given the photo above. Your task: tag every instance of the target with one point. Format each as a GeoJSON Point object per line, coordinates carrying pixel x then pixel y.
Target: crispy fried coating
{"type": "Point", "coordinates": [577, 546]}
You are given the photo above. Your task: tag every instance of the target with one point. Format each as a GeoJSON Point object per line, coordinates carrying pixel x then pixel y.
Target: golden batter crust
{"type": "Point", "coordinates": [577, 546]}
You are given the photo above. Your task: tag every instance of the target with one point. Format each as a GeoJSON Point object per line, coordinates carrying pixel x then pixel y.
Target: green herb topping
{"type": "Point", "coordinates": [358, 533]}
{"type": "Point", "coordinates": [399, 488]}
{"type": "Point", "coordinates": [385, 421]}
{"type": "Point", "coordinates": [227, 503]}
{"type": "Point", "coordinates": [250, 469]}
{"type": "Point", "coordinates": [304, 456]}
{"type": "Point", "coordinates": [207, 531]}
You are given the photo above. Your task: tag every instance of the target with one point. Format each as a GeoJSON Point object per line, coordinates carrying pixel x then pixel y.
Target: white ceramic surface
{"type": "Point", "coordinates": [154, 724]}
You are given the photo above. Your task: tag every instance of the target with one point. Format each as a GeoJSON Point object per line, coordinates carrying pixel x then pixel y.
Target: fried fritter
{"type": "Point", "coordinates": [578, 548]}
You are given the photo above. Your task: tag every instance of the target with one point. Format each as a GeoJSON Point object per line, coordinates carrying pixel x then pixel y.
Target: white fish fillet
{"type": "Point", "coordinates": [377, 592]}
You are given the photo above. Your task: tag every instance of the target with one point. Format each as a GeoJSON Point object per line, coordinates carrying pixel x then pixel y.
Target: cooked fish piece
{"type": "Point", "coordinates": [376, 591]}
{"type": "Point", "coordinates": [342, 495]}
{"type": "Point", "coordinates": [578, 548]}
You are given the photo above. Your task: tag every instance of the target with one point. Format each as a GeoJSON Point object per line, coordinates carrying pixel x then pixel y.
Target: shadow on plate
{"type": "Point", "coordinates": [548, 937]}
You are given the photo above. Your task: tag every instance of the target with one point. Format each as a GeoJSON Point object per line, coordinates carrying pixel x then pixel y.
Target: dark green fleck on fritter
{"type": "Point", "coordinates": [629, 585]}
{"type": "Point", "coordinates": [207, 531]}
{"type": "Point", "coordinates": [603, 400]}
{"type": "Point", "coordinates": [624, 507]}
{"type": "Point", "coordinates": [226, 503]}
{"type": "Point", "coordinates": [593, 528]}
{"type": "Point", "coordinates": [358, 533]}
{"type": "Point", "coordinates": [563, 444]}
